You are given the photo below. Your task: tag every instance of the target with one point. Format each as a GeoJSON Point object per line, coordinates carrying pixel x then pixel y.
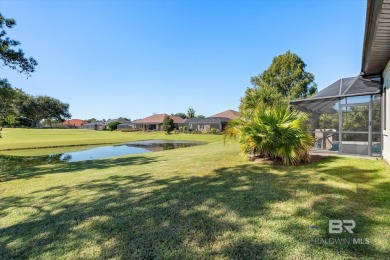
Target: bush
{"type": "Point", "coordinates": [278, 132]}
{"type": "Point", "coordinates": [168, 125]}
{"type": "Point", "coordinates": [113, 125]}
{"type": "Point", "coordinates": [213, 131]}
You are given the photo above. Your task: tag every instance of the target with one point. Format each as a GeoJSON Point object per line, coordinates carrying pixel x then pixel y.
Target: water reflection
{"type": "Point", "coordinates": [12, 163]}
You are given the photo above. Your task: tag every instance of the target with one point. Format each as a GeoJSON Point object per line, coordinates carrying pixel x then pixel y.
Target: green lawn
{"type": "Point", "coordinates": [199, 202]}
{"type": "Point", "coordinates": [34, 138]}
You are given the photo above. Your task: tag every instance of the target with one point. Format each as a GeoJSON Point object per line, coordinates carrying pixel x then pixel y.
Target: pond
{"type": "Point", "coordinates": [9, 163]}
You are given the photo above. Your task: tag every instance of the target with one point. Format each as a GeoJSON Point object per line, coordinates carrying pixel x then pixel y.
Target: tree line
{"type": "Point", "coordinates": [17, 108]}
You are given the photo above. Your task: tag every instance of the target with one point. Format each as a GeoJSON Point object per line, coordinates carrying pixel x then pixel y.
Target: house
{"type": "Point", "coordinates": [74, 123]}
{"type": "Point", "coordinates": [94, 126]}
{"type": "Point", "coordinates": [376, 60]}
{"type": "Point", "coordinates": [127, 125]}
{"type": "Point", "coordinates": [230, 114]}
{"type": "Point", "coordinates": [205, 124]}
{"type": "Point", "coordinates": [351, 115]}
{"type": "Point", "coordinates": [155, 122]}
{"type": "Point", "coordinates": [120, 120]}
{"type": "Point", "coordinates": [217, 121]}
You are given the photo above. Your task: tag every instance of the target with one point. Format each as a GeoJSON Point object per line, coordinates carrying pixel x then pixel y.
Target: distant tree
{"type": "Point", "coordinates": [182, 115]}
{"type": "Point", "coordinates": [191, 113]}
{"type": "Point", "coordinates": [168, 125]}
{"type": "Point", "coordinates": [285, 79]}
{"type": "Point", "coordinates": [14, 59]}
{"type": "Point", "coordinates": [11, 56]}
{"type": "Point", "coordinates": [113, 125]}
{"type": "Point", "coordinates": [123, 119]}
{"type": "Point", "coordinates": [200, 116]}
{"type": "Point", "coordinates": [11, 120]}
{"type": "Point", "coordinates": [7, 97]}
{"type": "Point", "coordinates": [91, 120]}
{"type": "Point", "coordinates": [44, 107]}
{"type": "Point", "coordinates": [287, 76]}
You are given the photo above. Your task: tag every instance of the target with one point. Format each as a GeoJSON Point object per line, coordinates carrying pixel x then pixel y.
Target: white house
{"type": "Point", "coordinates": [376, 59]}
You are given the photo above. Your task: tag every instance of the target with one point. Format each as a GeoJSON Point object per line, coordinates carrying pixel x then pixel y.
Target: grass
{"type": "Point", "coordinates": [16, 138]}
{"type": "Point", "coordinates": [198, 202]}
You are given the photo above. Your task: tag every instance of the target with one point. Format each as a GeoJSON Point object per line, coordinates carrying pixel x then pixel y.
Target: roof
{"type": "Point", "coordinates": [95, 123]}
{"type": "Point", "coordinates": [231, 114]}
{"type": "Point", "coordinates": [158, 119]}
{"type": "Point", "coordinates": [376, 46]}
{"type": "Point", "coordinates": [177, 119]}
{"type": "Point", "coordinates": [126, 123]}
{"type": "Point", "coordinates": [206, 120]}
{"type": "Point", "coordinates": [75, 122]}
{"type": "Point", "coordinates": [346, 87]}
{"type": "Point", "coordinates": [121, 120]}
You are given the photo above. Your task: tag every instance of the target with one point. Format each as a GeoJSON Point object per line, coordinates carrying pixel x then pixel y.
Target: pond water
{"type": "Point", "coordinates": [9, 163]}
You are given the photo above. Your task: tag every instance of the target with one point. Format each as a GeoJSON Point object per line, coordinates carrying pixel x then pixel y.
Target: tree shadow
{"type": "Point", "coordinates": [141, 216]}
{"type": "Point", "coordinates": [33, 168]}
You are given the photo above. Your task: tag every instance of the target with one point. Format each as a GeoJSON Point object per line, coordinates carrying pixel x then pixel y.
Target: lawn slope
{"type": "Point", "coordinates": [16, 138]}
{"type": "Point", "coordinates": [198, 202]}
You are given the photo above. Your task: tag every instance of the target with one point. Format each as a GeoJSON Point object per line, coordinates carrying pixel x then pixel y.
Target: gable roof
{"type": "Point", "coordinates": [231, 114]}
{"type": "Point", "coordinates": [158, 119]}
{"type": "Point", "coordinates": [177, 119]}
{"type": "Point", "coordinates": [75, 122]}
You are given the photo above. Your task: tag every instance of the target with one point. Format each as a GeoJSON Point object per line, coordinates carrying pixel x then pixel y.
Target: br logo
{"type": "Point", "coordinates": [338, 226]}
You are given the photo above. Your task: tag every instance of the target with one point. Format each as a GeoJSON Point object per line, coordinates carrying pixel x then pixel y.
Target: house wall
{"type": "Point", "coordinates": [386, 113]}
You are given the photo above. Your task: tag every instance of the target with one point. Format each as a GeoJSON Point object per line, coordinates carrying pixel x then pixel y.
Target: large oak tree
{"type": "Point", "coordinates": [284, 80]}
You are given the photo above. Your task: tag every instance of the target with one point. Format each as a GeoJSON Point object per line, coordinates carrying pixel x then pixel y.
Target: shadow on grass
{"type": "Point", "coordinates": [33, 168]}
{"type": "Point", "coordinates": [226, 214]}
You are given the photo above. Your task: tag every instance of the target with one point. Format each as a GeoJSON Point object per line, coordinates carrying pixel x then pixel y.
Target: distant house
{"type": "Point", "coordinates": [205, 124]}
{"type": "Point", "coordinates": [155, 122]}
{"type": "Point", "coordinates": [120, 120]}
{"type": "Point", "coordinates": [217, 121]}
{"type": "Point", "coordinates": [94, 126]}
{"type": "Point", "coordinates": [230, 114]}
{"type": "Point", "coordinates": [74, 123]}
{"type": "Point", "coordinates": [128, 125]}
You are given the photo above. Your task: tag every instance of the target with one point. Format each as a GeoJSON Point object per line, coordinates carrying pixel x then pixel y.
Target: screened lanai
{"type": "Point", "coordinates": [346, 117]}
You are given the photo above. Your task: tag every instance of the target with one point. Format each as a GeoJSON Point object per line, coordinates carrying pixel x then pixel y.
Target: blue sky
{"type": "Point", "coordinates": [132, 58]}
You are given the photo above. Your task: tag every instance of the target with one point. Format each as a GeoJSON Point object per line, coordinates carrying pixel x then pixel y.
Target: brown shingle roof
{"type": "Point", "coordinates": [177, 119]}
{"type": "Point", "coordinates": [228, 114]}
{"type": "Point", "coordinates": [158, 119]}
{"type": "Point", "coordinates": [75, 122]}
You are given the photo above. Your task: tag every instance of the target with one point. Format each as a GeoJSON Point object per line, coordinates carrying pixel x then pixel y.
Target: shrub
{"type": "Point", "coordinates": [278, 132]}
{"type": "Point", "coordinates": [213, 131]}
{"type": "Point", "coordinates": [168, 125]}
{"type": "Point", "coordinates": [113, 125]}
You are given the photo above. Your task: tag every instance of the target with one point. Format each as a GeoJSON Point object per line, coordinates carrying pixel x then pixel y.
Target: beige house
{"type": "Point", "coordinates": [155, 122]}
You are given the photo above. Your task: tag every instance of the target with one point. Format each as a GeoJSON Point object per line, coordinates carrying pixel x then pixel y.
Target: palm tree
{"type": "Point", "coordinates": [262, 95]}
{"type": "Point", "coordinates": [191, 113]}
{"type": "Point", "coordinates": [277, 132]}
